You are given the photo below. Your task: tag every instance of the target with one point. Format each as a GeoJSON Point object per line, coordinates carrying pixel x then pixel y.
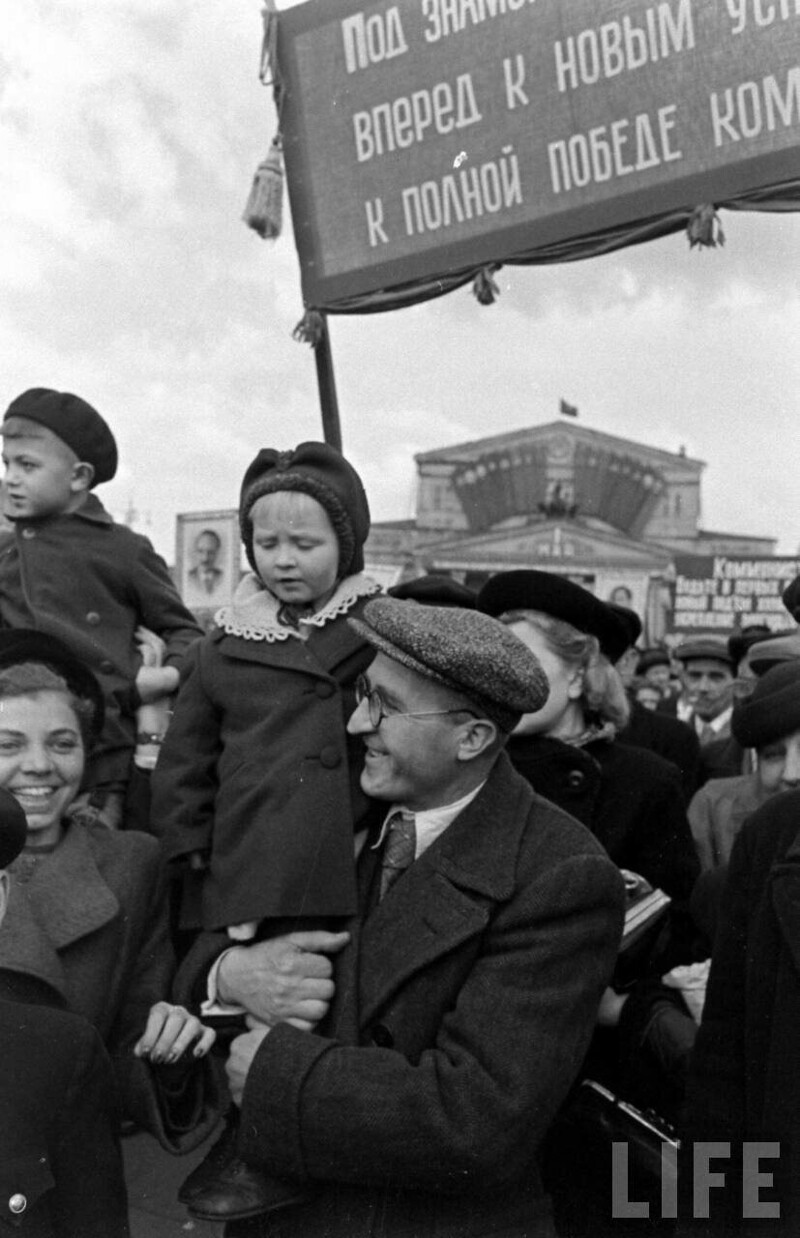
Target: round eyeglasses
{"type": "Point", "coordinates": [377, 711]}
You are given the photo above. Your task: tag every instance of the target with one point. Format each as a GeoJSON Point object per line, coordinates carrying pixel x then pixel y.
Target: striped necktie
{"type": "Point", "coordinates": [399, 849]}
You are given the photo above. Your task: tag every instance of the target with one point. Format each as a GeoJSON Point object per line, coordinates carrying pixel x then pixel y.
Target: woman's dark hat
{"type": "Point", "coordinates": [561, 599]}
{"type": "Point", "coordinates": [434, 590]}
{"type": "Point", "coordinates": [75, 422]}
{"type": "Point", "coordinates": [13, 828]}
{"type": "Point", "coordinates": [632, 626]}
{"type": "Point", "coordinates": [19, 645]}
{"type": "Point", "coordinates": [772, 710]}
{"type": "Point", "coordinates": [319, 470]}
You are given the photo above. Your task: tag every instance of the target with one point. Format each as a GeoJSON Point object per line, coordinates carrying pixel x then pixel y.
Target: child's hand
{"type": "Point", "coordinates": [169, 1033]}
{"type": "Point", "coordinates": [151, 647]}
{"type": "Point", "coordinates": [155, 682]}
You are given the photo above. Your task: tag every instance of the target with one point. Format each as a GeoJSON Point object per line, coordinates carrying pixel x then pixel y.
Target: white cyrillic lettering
{"type": "Point", "coordinates": [566, 64]}
{"type": "Point", "coordinates": [737, 11]}
{"type": "Point", "coordinates": [422, 112]}
{"type": "Point", "coordinates": [403, 121]}
{"type": "Point", "coordinates": [355, 44]}
{"type": "Point", "coordinates": [514, 76]}
{"type": "Point", "coordinates": [677, 31]}
{"type": "Point", "coordinates": [376, 38]}
{"type": "Point", "coordinates": [490, 188]}
{"type": "Point", "coordinates": [466, 106]}
{"type": "Point", "coordinates": [451, 203]}
{"type": "Point", "coordinates": [431, 205]}
{"type": "Point", "coordinates": [433, 31]}
{"type": "Point", "coordinates": [785, 106]}
{"type": "Point", "coordinates": [579, 164]}
{"type": "Point", "coordinates": [396, 44]}
{"type": "Point", "coordinates": [362, 130]}
{"type": "Point", "coordinates": [748, 106]}
{"type": "Point", "coordinates": [470, 188]}
{"type": "Point", "coordinates": [619, 138]}
{"type": "Point", "coordinates": [443, 108]}
{"type": "Point", "coordinates": [559, 166]}
{"type": "Point", "coordinates": [600, 153]}
{"type": "Point", "coordinates": [588, 57]}
{"type": "Point", "coordinates": [723, 129]}
{"type": "Point", "coordinates": [377, 234]}
{"type": "Point", "coordinates": [666, 123]}
{"type": "Point", "coordinates": [510, 178]}
{"type": "Point", "coordinates": [410, 197]}
{"type": "Point", "coordinates": [636, 51]}
{"type": "Point", "coordinates": [611, 49]}
{"type": "Point", "coordinates": [382, 116]}
{"type": "Point", "coordinates": [646, 151]}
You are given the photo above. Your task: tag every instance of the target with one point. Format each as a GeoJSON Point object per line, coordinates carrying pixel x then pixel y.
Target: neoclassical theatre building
{"type": "Point", "coordinates": [603, 510]}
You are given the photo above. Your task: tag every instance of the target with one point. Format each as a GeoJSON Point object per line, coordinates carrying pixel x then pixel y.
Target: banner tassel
{"type": "Point", "coordinates": [484, 287]}
{"type": "Point", "coordinates": [704, 227]}
{"type": "Point", "coordinates": [264, 210]}
{"type": "Point", "coordinates": [310, 328]}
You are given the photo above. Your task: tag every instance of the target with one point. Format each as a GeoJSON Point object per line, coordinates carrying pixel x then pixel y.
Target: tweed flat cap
{"type": "Point", "coordinates": [435, 590]}
{"type": "Point", "coordinates": [705, 647]}
{"type": "Point", "coordinates": [772, 710]}
{"type": "Point", "coordinates": [470, 653]}
{"type": "Point", "coordinates": [75, 422]}
{"type": "Point", "coordinates": [13, 828]}
{"type": "Point", "coordinates": [773, 650]}
{"type": "Point", "coordinates": [561, 599]}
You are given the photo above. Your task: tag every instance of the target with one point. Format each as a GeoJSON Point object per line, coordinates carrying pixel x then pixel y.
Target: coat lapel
{"type": "Point", "coordinates": [448, 894]}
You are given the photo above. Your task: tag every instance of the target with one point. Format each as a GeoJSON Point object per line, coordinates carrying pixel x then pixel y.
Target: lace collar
{"type": "Point", "coordinates": [253, 613]}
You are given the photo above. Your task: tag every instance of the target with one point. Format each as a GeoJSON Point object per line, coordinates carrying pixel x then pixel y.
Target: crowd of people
{"type": "Point", "coordinates": [427, 901]}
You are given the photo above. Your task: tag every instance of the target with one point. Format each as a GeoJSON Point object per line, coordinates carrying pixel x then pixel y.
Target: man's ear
{"type": "Point", "coordinates": [82, 477]}
{"type": "Point", "coordinates": [476, 736]}
{"type": "Point", "coordinates": [4, 884]}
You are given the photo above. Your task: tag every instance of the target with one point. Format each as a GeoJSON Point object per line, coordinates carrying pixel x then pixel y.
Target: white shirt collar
{"type": "Point", "coordinates": [431, 822]}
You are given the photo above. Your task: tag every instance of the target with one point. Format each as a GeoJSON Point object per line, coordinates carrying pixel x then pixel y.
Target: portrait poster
{"type": "Point", "coordinates": [207, 560]}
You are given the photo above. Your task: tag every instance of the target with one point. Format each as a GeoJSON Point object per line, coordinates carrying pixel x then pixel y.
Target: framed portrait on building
{"type": "Point", "coordinates": [207, 557]}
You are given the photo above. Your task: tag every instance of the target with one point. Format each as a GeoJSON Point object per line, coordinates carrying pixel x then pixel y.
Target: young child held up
{"type": "Point", "coordinates": [257, 776]}
{"type": "Point", "coordinates": [66, 568]}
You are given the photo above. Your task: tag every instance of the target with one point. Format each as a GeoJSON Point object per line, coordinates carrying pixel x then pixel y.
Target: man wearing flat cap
{"type": "Point", "coordinates": [465, 991]}
{"type": "Point", "coordinates": [60, 1163]}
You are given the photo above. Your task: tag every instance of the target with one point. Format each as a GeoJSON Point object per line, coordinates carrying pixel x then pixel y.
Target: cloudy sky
{"type": "Point", "coordinates": [129, 133]}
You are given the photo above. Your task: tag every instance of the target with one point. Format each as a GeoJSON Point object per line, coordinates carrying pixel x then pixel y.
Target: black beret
{"type": "Point", "coordinates": [791, 598]}
{"type": "Point", "coordinates": [697, 647]}
{"type": "Point", "coordinates": [470, 653]}
{"type": "Point", "coordinates": [435, 590]}
{"type": "Point", "coordinates": [772, 710]}
{"type": "Point", "coordinates": [13, 828]}
{"type": "Point", "coordinates": [319, 470]}
{"type": "Point", "coordinates": [653, 657]}
{"type": "Point", "coordinates": [75, 422]}
{"type": "Point", "coordinates": [561, 599]}
{"type": "Point", "coordinates": [632, 626]}
{"type": "Point", "coordinates": [19, 645]}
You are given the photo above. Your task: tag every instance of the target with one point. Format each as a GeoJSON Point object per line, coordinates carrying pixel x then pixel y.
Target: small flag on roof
{"type": "Point", "coordinates": [567, 410]}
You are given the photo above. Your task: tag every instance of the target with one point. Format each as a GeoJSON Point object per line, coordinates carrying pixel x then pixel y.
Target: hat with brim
{"type": "Point", "coordinates": [18, 645]}
{"type": "Point", "coordinates": [652, 657]}
{"type": "Point", "coordinates": [561, 599]}
{"type": "Point", "coordinates": [705, 648]}
{"type": "Point", "coordinates": [630, 632]}
{"type": "Point", "coordinates": [470, 653]}
{"type": "Point", "coordinates": [772, 710]}
{"type": "Point", "coordinates": [13, 828]}
{"type": "Point", "coordinates": [75, 422]}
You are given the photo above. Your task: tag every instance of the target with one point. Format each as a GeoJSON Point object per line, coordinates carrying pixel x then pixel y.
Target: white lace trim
{"type": "Point", "coordinates": [253, 613]}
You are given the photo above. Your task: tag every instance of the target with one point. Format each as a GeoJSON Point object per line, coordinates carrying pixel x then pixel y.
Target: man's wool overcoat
{"type": "Point", "coordinates": [464, 1006]}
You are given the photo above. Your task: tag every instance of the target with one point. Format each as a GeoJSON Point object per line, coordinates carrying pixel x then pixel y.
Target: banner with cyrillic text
{"type": "Point", "coordinates": [423, 136]}
{"type": "Point", "coordinates": [717, 593]}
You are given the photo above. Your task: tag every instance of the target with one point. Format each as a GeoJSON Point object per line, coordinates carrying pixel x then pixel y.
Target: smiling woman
{"type": "Point", "coordinates": [86, 927]}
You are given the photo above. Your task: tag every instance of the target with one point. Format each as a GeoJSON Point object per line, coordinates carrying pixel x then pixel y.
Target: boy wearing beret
{"type": "Point", "coordinates": [66, 568]}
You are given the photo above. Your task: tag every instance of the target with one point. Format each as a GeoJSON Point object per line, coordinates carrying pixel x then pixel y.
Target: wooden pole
{"type": "Point", "coordinates": [326, 382]}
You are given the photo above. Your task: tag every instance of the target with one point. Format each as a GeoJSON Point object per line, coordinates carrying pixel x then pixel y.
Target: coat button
{"type": "Point", "coordinates": [382, 1038]}
{"type": "Point", "coordinates": [330, 757]}
{"type": "Point", "coordinates": [576, 779]}
{"type": "Point", "coordinates": [324, 690]}
{"type": "Point", "coordinates": [28, 534]}
{"type": "Point", "coordinates": [93, 618]}
{"type": "Point", "coordinates": [17, 1204]}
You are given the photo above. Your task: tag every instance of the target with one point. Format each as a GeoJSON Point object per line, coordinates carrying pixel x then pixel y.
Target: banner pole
{"type": "Point", "coordinates": [326, 382]}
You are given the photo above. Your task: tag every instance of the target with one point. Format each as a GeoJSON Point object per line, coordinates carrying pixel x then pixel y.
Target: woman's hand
{"type": "Point", "coordinates": [169, 1033]}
